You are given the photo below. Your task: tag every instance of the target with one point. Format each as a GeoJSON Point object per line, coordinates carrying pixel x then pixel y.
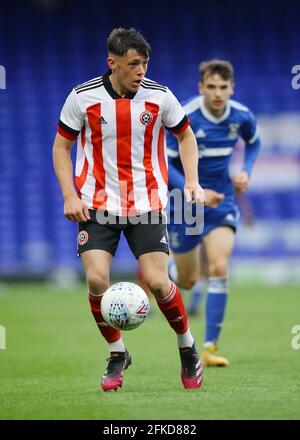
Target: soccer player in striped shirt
{"type": "Point", "coordinates": [218, 122]}
{"type": "Point", "coordinates": [121, 173]}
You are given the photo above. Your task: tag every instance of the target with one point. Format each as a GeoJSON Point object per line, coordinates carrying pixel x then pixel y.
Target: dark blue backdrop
{"type": "Point", "coordinates": [48, 47]}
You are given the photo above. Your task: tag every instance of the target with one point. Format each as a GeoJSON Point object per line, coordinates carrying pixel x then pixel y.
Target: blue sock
{"type": "Point", "coordinates": [196, 295]}
{"type": "Point", "coordinates": [215, 307]}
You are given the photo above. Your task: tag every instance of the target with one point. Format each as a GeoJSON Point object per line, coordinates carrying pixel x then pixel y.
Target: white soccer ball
{"type": "Point", "coordinates": [125, 306]}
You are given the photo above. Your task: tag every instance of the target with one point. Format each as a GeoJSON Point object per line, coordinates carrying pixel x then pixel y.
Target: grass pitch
{"type": "Point", "coordinates": [55, 356]}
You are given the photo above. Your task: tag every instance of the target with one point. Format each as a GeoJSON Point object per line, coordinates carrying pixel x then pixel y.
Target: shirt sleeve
{"type": "Point", "coordinates": [249, 129]}
{"type": "Point", "coordinates": [250, 134]}
{"type": "Point", "coordinates": [173, 115]}
{"type": "Point", "coordinates": [71, 118]}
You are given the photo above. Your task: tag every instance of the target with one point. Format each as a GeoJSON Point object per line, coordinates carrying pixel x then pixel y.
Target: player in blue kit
{"type": "Point", "coordinates": [218, 122]}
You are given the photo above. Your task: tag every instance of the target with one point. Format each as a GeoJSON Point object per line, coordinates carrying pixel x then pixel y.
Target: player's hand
{"type": "Point", "coordinates": [241, 181]}
{"type": "Point", "coordinates": [75, 210]}
{"type": "Point", "coordinates": [194, 193]}
{"type": "Point", "coordinates": [213, 198]}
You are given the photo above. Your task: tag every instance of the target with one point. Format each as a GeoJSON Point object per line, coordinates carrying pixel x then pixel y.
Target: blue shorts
{"type": "Point", "coordinates": [180, 242]}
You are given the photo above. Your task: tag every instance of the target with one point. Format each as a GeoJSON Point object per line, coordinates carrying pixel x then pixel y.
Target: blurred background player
{"type": "Point", "coordinates": [218, 122]}
{"type": "Point", "coordinates": [199, 289]}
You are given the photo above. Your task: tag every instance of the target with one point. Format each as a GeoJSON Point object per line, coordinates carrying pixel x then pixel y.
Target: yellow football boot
{"type": "Point", "coordinates": [211, 358]}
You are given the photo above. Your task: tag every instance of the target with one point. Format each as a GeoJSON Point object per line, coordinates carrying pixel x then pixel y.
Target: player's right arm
{"type": "Point", "coordinates": [74, 208]}
{"type": "Point", "coordinates": [69, 126]}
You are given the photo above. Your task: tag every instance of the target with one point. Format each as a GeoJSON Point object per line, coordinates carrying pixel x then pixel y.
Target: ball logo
{"type": "Point", "coordinates": [146, 118]}
{"type": "Point", "coordinates": [83, 237]}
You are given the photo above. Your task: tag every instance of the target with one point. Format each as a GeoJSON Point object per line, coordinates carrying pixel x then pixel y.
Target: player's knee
{"type": "Point", "coordinates": [187, 282]}
{"type": "Point", "coordinates": [97, 282]}
{"type": "Point", "coordinates": [218, 268]}
{"type": "Point", "coordinates": [157, 284]}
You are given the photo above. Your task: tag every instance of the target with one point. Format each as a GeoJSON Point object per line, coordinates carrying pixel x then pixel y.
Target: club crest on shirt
{"type": "Point", "coordinates": [83, 237]}
{"type": "Point", "coordinates": [146, 118]}
{"type": "Point", "coordinates": [233, 130]}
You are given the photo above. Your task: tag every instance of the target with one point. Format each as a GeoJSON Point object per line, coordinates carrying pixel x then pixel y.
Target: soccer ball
{"type": "Point", "coordinates": [125, 306]}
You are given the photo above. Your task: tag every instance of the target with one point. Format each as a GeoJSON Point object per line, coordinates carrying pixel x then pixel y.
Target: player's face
{"type": "Point", "coordinates": [216, 92]}
{"type": "Point", "coordinates": [128, 71]}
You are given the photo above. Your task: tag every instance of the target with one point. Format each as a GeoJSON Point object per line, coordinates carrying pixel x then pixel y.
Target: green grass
{"type": "Point", "coordinates": [55, 357]}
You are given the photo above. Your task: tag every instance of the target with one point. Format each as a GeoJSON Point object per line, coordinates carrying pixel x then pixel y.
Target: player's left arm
{"type": "Point", "coordinates": [250, 134]}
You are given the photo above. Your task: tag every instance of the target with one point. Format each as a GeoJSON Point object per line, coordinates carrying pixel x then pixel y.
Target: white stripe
{"type": "Point", "coordinates": [109, 155]}
{"type": "Point", "coordinates": [87, 83]}
{"type": "Point", "coordinates": [162, 187]}
{"type": "Point", "coordinates": [238, 105]}
{"type": "Point", "coordinates": [169, 298]}
{"type": "Point", "coordinates": [179, 318]}
{"type": "Point", "coordinates": [95, 296]}
{"type": "Point", "coordinates": [80, 158]}
{"type": "Point", "coordinates": [88, 188]}
{"type": "Point", "coordinates": [141, 201]}
{"type": "Point", "coordinates": [170, 295]}
{"type": "Point", "coordinates": [218, 290]}
{"type": "Point", "coordinates": [254, 137]}
{"type": "Point", "coordinates": [153, 82]}
{"type": "Point", "coordinates": [215, 152]}
{"type": "Point", "coordinates": [172, 153]}
{"type": "Point", "coordinates": [192, 106]}
{"type": "Point", "coordinates": [212, 118]}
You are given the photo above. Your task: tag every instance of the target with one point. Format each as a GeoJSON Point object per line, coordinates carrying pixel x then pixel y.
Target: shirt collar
{"type": "Point", "coordinates": [109, 88]}
{"type": "Point", "coordinates": [211, 117]}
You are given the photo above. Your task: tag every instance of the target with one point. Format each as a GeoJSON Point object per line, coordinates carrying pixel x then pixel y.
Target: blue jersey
{"type": "Point", "coordinates": [216, 138]}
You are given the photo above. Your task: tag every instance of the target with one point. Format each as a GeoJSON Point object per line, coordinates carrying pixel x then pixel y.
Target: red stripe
{"type": "Point", "coordinates": [99, 197]}
{"type": "Point", "coordinates": [65, 134]}
{"type": "Point", "coordinates": [151, 183]}
{"type": "Point", "coordinates": [83, 138]}
{"type": "Point", "coordinates": [123, 117]}
{"type": "Point", "coordinates": [80, 180]}
{"type": "Point", "coordinates": [161, 155]}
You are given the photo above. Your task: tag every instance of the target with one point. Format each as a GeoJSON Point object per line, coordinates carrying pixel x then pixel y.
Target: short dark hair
{"type": "Point", "coordinates": [121, 40]}
{"type": "Point", "coordinates": [220, 67]}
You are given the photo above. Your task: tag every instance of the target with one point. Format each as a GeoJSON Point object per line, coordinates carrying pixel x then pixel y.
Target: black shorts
{"type": "Point", "coordinates": [144, 234]}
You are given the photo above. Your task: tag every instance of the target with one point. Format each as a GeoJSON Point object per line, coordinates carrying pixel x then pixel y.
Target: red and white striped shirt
{"type": "Point", "coordinates": [121, 162]}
